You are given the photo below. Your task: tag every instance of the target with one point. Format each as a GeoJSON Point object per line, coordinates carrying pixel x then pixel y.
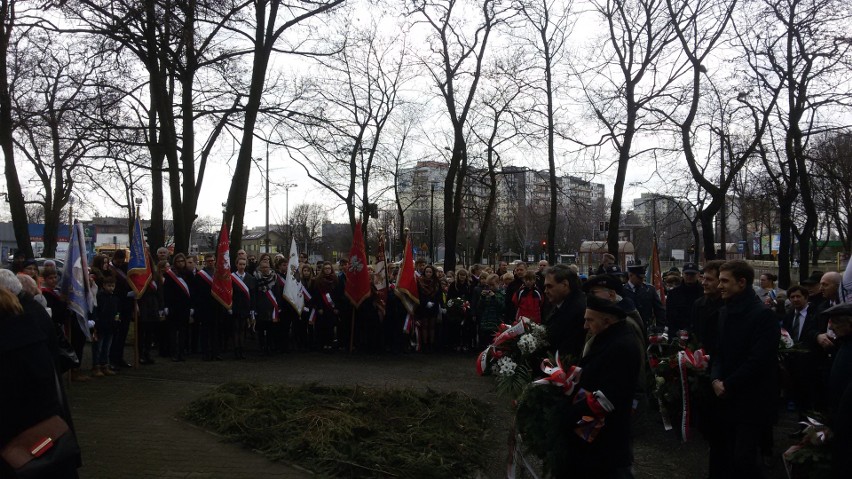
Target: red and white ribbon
{"type": "Point", "coordinates": [505, 333]}
{"type": "Point", "coordinates": [558, 376]}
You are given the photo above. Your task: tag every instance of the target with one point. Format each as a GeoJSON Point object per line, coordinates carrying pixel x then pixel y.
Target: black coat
{"type": "Point", "coordinates": [243, 304]}
{"type": "Point", "coordinates": [175, 297]}
{"type": "Point", "coordinates": [28, 378]}
{"type": "Point", "coordinates": [679, 303]}
{"type": "Point", "coordinates": [746, 359]}
{"type": "Point", "coordinates": [611, 366]}
{"type": "Point", "coordinates": [648, 303]}
{"type": "Point", "coordinates": [705, 323]}
{"type": "Point", "coordinates": [565, 331]}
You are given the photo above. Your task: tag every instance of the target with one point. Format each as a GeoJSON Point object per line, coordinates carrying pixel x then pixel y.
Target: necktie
{"type": "Point", "coordinates": [796, 321]}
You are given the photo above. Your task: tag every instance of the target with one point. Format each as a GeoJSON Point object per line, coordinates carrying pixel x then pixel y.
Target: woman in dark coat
{"type": "Point", "coordinates": [325, 303]}
{"type": "Point", "coordinates": [31, 390]}
{"type": "Point", "coordinates": [177, 299]}
{"type": "Point", "coordinates": [461, 331]}
{"type": "Point", "coordinates": [430, 305]}
{"type": "Point", "coordinates": [266, 305]}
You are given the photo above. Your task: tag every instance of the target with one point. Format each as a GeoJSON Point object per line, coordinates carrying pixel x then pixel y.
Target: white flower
{"type": "Point", "coordinates": [506, 366]}
{"type": "Point", "coordinates": [527, 344]}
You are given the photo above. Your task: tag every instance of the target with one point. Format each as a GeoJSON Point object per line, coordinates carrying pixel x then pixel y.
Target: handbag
{"type": "Point", "coordinates": [43, 450]}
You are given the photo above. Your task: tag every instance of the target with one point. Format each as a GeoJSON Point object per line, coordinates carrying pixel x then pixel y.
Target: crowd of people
{"type": "Point", "coordinates": [600, 322]}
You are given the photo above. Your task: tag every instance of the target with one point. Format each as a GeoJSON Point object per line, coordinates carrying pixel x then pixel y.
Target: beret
{"type": "Point", "coordinates": [604, 306]}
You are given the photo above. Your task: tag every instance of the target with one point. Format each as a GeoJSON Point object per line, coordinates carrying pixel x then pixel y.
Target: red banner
{"type": "Point", "coordinates": [222, 288]}
{"type": "Point", "coordinates": [357, 275]}
{"type": "Point", "coordinates": [406, 283]}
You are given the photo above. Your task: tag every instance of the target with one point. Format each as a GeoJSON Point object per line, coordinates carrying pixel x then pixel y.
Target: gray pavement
{"type": "Point", "coordinates": [128, 426]}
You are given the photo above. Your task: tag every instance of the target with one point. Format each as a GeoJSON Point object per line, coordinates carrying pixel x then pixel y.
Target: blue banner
{"type": "Point", "coordinates": [75, 281]}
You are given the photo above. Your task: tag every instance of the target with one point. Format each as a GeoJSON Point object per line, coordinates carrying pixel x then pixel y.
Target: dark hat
{"type": "Point", "coordinates": [604, 306]}
{"type": "Point", "coordinates": [636, 269]}
{"type": "Point", "coordinates": [813, 279]}
{"type": "Point", "coordinates": [690, 268]}
{"type": "Point", "coordinates": [843, 309]}
{"type": "Point", "coordinates": [673, 269]}
{"type": "Point", "coordinates": [607, 281]}
{"type": "Point", "coordinates": [614, 270]}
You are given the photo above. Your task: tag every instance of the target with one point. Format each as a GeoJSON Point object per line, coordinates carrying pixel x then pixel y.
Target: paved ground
{"type": "Point", "coordinates": [128, 428]}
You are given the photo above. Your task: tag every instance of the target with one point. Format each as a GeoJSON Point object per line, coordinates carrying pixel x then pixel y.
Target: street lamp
{"type": "Point", "coordinates": [431, 223]}
{"type": "Point", "coordinates": [287, 187]}
{"type": "Point", "coordinates": [266, 237]}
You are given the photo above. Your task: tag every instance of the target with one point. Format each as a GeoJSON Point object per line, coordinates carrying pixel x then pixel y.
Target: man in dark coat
{"type": "Point", "coordinates": [126, 298]}
{"type": "Point", "coordinates": [840, 389]}
{"type": "Point", "coordinates": [744, 374]}
{"type": "Point", "coordinates": [645, 298]}
{"type": "Point", "coordinates": [608, 380]}
{"type": "Point", "coordinates": [680, 300]}
{"type": "Point", "coordinates": [565, 322]}
{"type": "Point", "coordinates": [801, 323]}
{"type": "Point", "coordinates": [705, 311]}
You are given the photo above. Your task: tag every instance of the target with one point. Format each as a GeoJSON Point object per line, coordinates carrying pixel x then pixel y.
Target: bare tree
{"type": "Point", "coordinates": [699, 27]}
{"type": "Point", "coordinates": [454, 67]}
{"type": "Point", "coordinates": [801, 48]}
{"type": "Point", "coordinates": [353, 103]}
{"type": "Point", "coordinates": [549, 22]}
{"type": "Point", "coordinates": [57, 106]}
{"type": "Point", "coordinates": [10, 37]}
{"type": "Point", "coordinates": [623, 79]}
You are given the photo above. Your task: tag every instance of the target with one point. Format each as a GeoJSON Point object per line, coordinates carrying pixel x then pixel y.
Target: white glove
{"type": "Point", "coordinates": [230, 311]}
{"type": "Point", "coordinates": [166, 310]}
{"type": "Point", "coordinates": [131, 294]}
{"type": "Point", "coordinates": [162, 313]}
{"type": "Point", "coordinates": [191, 311]}
{"type": "Point", "coordinates": [252, 314]}
{"type": "Point", "coordinates": [90, 324]}
{"type": "Point", "coordinates": [430, 304]}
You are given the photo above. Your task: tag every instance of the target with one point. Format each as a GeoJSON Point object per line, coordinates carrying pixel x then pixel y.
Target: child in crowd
{"type": "Point", "coordinates": [507, 278]}
{"type": "Point", "coordinates": [490, 309]}
{"type": "Point", "coordinates": [528, 299]}
{"type": "Point", "coordinates": [106, 316]}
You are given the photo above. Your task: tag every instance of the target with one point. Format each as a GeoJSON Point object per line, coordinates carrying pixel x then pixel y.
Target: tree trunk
{"type": "Point", "coordinates": [785, 211]}
{"type": "Point", "coordinates": [15, 196]}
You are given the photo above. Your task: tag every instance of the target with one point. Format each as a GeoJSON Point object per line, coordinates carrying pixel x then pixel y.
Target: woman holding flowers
{"type": "Point", "coordinates": [460, 327]}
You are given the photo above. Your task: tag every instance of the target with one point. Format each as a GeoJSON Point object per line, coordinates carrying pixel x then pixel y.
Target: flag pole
{"type": "Point", "coordinates": [352, 322]}
{"type": "Point", "coordinates": [136, 337]}
{"type": "Point", "coordinates": [68, 318]}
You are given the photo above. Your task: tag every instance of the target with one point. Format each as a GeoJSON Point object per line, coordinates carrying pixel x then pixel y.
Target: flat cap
{"type": "Point", "coordinates": [813, 279]}
{"type": "Point", "coordinates": [843, 309]}
{"type": "Point", "coordinates": [607, 281]}
{"type": "Point", "coordinates": [690, 268]}
{"type": "Point", "coordinates": [604, 306]}
{"type": "Point", "coordinates": [636, 269]}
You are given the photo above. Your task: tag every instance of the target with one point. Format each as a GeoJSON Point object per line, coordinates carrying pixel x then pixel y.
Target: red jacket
{"type": "Point", "coordinates": [528, 302]}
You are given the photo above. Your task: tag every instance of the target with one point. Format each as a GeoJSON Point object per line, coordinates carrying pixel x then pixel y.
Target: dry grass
{"type": "Point", "coordinates": [352, 432]}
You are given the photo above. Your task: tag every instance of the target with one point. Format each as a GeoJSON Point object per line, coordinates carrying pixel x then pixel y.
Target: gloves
{"type": "Point", "coordinates": [230, 311]}
{"type": "Point", "coordinates": [253, 315]}
{"type": "Point", "coordinates": [131, 294]}
{"type": "Point", "coordinates": [166, 310]}
{"type": "Point", "coordinates": [191, 311]}
{"type": "Point", "coordinates": [90, 324]}
{"type": "Point", "coordinates": [430, 304]}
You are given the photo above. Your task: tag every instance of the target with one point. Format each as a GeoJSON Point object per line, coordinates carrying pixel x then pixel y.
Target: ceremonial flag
{"type": "Point", "coordinates": [380, 277]}
{"type": "Point", "coordinates": [293, 291]}
{"type": "Point", "coordinates": [406, 284]}
{"type": "Point", "coordinates": [139, 271]}
{"type": "Point", "coordinates": [75, 282]}
{"type": "Point", "coordinates": [357, 277]}
{"type": "Point", "coordinates": [222, 288]}
{"type": "Point", "coordinates": [656, 273]}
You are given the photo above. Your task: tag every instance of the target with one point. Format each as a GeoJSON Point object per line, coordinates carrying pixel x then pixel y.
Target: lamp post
{"type": "Point", "coordinates": [431, 223]}
{"type": "Point", "coordinates": [287, 187]}
{"type": "Point", "coordinates": [266, 233]}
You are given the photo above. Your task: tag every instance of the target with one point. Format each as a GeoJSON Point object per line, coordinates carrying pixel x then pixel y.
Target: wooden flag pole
{"type": "Point", "coordinates": [352, 332]}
